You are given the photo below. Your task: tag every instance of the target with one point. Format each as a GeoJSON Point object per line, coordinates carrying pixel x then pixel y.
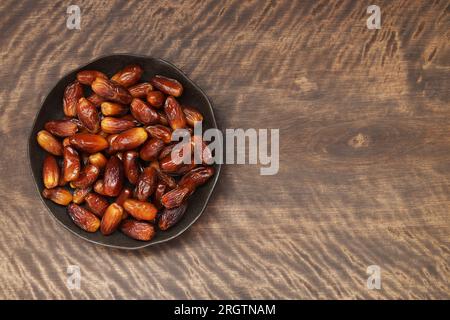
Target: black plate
{"type": "Point", "coordinates": [52, 109]}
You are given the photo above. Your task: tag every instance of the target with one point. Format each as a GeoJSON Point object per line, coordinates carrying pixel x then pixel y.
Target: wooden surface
{"type": "Point", "coordinates": [364, 119]}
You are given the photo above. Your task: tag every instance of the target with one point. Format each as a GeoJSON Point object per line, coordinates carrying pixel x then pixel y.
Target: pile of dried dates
{"type": "Point", "coordinates": [110, 159]}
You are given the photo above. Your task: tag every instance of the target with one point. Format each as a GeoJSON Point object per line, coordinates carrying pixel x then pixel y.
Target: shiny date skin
{"type": "Point", "coordinates": [131, 166]}
{"type": "Point", "coordinates": [143, 112]}
{"type": "Point", "coordinates": [72, 93]}
{"type": "Point", "coordinates": [111, 219]}
{"type": "Point", "coordinates": [128, 76]}
{"type": "Point", "coordinates": [160, 132]}
{"type": "Point", "coordinates": [71, 164]}
{"type": "Point", "coordinates": [146, 184]}
{"type": "Point", "coordinates": [113, 109]}
{"type": "Point", "coordinates": [96, 203]}
{"type": "Point", "coordinates": [80, 194]}
{"type": "Point", "coordinates": [83, 218]}
{"type": "Point", "coordinates": [156, 98]}
{"type": "Point", "coordinates": [151, 149]}
{"type": "Point", "coordinates": [169, 217]}
{"type": "Point", "coordinates": [192, 115]}
{"type": "Point", "coordinates": [167, 85]}
{"type": "Point", "coordinates": [140, 210]}
{"type": "Point", "coordinates": [138, 230]}
{"type": "Point", "coordinates": [86, 77]}
{"type": "Point", "coordinates": [175, 114]}
{"type": "Point", "coordinates": [113, 177]}
{"type": "Point", "coordinates": [111, 91]}
{"type": "Point", "coordinates": [49, 143]}
{"type": "Point", "coordinates": [113, 125]}
{"type": "Point", "coordinates": [61, 128]}
{"type": "Point", "coordinates": [58, 195]}
{"type": "Point", "coordinates": [175, 197]}
{"type": "Point", "coordinates": [87, 177]}
{"type": "Point", "coordinates": [159, 192]}
{"type": "Point", "coordinates": [88, 142]}
{"type": "Point", "coordinates": [50, 172]}
{"type": "Point", "coordinates": [88, 115]}
{"type": "Point", "coordinates": [129, 139]}
{"type": "Point", "coordinates": [140, 90]}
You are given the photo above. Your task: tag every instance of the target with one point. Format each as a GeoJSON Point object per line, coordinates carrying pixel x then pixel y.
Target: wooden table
{"type": "Point", "coordinates": [364, 119]}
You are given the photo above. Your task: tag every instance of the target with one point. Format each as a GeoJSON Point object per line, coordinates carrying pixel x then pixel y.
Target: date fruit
{"type": "Point", "coordinates": [87, 177]}
{"type": "Point", "coordinates": [131, 166]}
{"type": "Point", "coordinates": [169, 217]}
{"type": "Point", "coordinates": [98, 160]}
{"type": "Point", "coordinates": [88, 115]}
{"type": "Point", "coordinates": [140, 210]}
{"type": "Point", "coordinates": [49, 143]}
{"type": "Point", "coordinates": [71, 164]}
{"type": "Point", "coordinates": [192, 116]}
{"type": "Point", "coordinates": [111, 91]}
{"type": "Point", "coordinates": [72, 94]}
{"type": "Point", "coordinates": [138, 230]}
{"type": "Point", "coordinates": [160, 132]}
{"type": "Point", "coordinates": [151, 149]}
{"type": "Point", "coordinates": [128, 76]}
{"type": "Point", "coordinates": [61, 128]}
{"type": "Point", "coordinates": [175, 114]}
{"type": "Point", "coordinates": [88, 142]}
{"type": "Point", "coordinates": [140, 90]}
{"type": "Point", "coordinates": [58, 195]}
{"type": "Point", "coordinates": [113, 109]}
{"type": "Point", "coordinates": [167, 85]}
{"type": "Point", "coordinates": [116, 125]}
{"type": "Point", "coordinates": [111, 219]}
{"type": "Point", "coordinates": [146, 184]}
{"type": "Point", "coordinates": [88, 76]}
{"type": "Point", "coordinates": [113, 177]}
{"type": "Point", "coordinates": [143, 113]}
{"type": "Point", "coordinates": [175, 197]}
{"type": "Point", "coordinates": [96, 203]}
{"type": "Point", "coordinates": [155, 98]}
{"type": "Point", "coordinates": [50, 172]}
{"type": "Point", "coordinates": [129, 139]}
{"type": "Point", "coordinates": [80, 194]}
{"type": "Point", "coordinates": [83, 218]}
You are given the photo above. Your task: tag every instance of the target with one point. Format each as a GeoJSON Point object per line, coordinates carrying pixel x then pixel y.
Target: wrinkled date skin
{"type": "Point", "coordinates": [83, 218]}
{"type": "Point", "coordinates": [192, 115]}
{"type": "Point", "coordinates": [71, 164]}
{"type": "Point", "coordinates": [129, 139]}
{"type": "Point", "coordinates": [146, 184]}
{"type": "Point", "coordinates": [99, 187]}
{"type": "Point", "coordinates": [111, 91]}
{"type": "Point", "coordinates": [96, 99]}
{"type": "Point", "coordinates": [58, 195]}
{"type": "Point", "coordinates": [49, 143]}
{"type": "Point", "coordinates": [50, 172]}
{"type": "Point", "coordinates": [96, 203]}
{"type": "Point", "coordinates": [196, 177]}
{"type": "Point", "coordinates": [111, 219]}
{"type": "Point", "coordinates": [138, 230]}
{"type": "Point", "coordinates": [88, 115]}
{"type": "Point", "coordinates": [140, 90]}
{"type": "Point", "coordinates": [131, 166]}
{"type": "Point", "coordinates": [61, 128]}
{"type": "Point", "coordinates": [160, 132]}
{"type": "Point", "coordinates": [116, 125]}
{"type": "Point", "coordinates": [86, 77]}
{"type": "Point", "coordinates": [155, 98]}
{"type": "Point", "coordinates": [162, 118]}
{"type": "Point", "coordinates": [72, 94]}
{"type": "Point", "coordinates": [167, 85]}
{"type": "Point", "coordinates": [175, 197]}
{"type": "Point", "coordinates": [143, 113]}
{"type": "Point", "coordinates": [87, 177]}
{"type": "Point", "coordinates": [169, 217]}
{"type": "Point", "coordinates": [175, 114]}
{"type": "Point", "coordinates": [88, 142]}
{"type": "Point", "coordinates": [113, 177]}
{"type": "Point", "coordinates": [128, 76]}
{"type": "Point", "coordinates": [151, 149]}
{"type": "Point", "coordinates": [140, 210]}
{"type": "Point", "coordinates": [166, 180]}
{"type": "Point", "coordinates": [159, 192]}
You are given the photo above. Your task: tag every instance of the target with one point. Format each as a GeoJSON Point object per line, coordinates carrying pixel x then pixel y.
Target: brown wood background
{"type": "Point", "coordinates": [364, 120]}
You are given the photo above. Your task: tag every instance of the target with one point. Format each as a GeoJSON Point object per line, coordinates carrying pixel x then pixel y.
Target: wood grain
{"type": "Point", "coordinates": [364, 119]}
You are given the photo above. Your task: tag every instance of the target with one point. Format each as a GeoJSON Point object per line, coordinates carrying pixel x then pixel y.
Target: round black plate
{"type": "Point", "coordinates": [52, 109]}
